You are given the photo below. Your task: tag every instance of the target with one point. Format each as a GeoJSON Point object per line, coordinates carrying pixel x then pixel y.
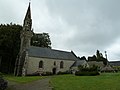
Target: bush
{"type": "Point", "coordinates": [38, 74]}
{"type": "Point", "coordinates": [61, 73]}
{"type": "Point", "coordinates": [3, 83]}
{"type": "Point", "coordinates": [47, 74]}
{"type": "Point", "coordinates": [33, 74]}
{"type": "Point", "coordinates": [93, 73]}
{"type": "Point", "coordinates": [88, 69]}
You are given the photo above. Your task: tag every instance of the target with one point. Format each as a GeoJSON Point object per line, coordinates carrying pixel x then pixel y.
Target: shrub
{"type": "Point", "coordinates": [3, 83]}
{"type": "Point", "coordinates": [33, 74]}
{"type": "Point", "coordinates": [47, 74]}
{"type": "Point", "coordinates": [42, 74]}
{"type": "Point", "coordinates": [60, 73]}
{"type": "Point", "coordinates": [93, 73]}
{"type": "Point", "coordinates": [88, 69]}
{"type": "Point", "coordinates": [66, 72]}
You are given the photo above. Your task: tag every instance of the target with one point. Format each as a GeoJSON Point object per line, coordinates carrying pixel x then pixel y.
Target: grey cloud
{"type": "Point", "coordinates": [11, 11]}
{"type": "Point", "coordinates": [79, 25]}
{"type": "Point", "coordinates": [97, 22]}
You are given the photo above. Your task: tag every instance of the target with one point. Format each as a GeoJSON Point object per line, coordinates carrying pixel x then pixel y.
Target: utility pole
{"type": "Point", "coordinates": [106, 58]}
{"type": "Point", "coordinates": [106, 54]}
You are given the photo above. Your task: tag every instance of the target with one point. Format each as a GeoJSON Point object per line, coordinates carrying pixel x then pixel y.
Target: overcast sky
{"type": "Point", "coordinates": [79, 25]}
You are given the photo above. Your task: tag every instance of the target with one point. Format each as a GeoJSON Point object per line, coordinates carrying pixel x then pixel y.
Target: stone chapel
{"type": "Point", "coordinates": [32, 59]}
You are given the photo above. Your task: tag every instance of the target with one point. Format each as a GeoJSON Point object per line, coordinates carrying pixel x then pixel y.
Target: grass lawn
{"type": "Point", "coordinates": [23, 79]}
{"type": "Point", "coordinates": [105, 81]}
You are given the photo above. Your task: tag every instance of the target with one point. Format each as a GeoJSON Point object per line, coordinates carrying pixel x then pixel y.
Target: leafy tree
{"type": "Point", "coordinates": [98, 54]}
{"type": "Point", "coordinates": [83, 58]}
{"type": "Point", "coordinates": [93, 58]}
{"type": "Point", "coordinates": [9, 46]}
{"type": "Point", "coordinates": [41, 40]}
{"type": "Point", "coordinates": [98, 57]}
{"type": "Point", "coordinates": [101, 58]}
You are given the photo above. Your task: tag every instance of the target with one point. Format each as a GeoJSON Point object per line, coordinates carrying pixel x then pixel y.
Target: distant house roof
{"type": "Point", "coordinates": [107, 68]}
{"type": "Point", "coordinates": [51, 53]}
{"type": "Point", "coordinates": [114, 63]}
{"type": "Point", "coordinates": [78, 62]}
{"type": "Point", "coordinates": [97, 63]}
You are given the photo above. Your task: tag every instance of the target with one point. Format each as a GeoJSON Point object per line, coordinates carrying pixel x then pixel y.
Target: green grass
{"type": "Point", "coordinates": [105, 81]}
{"type": "Point", "coordinates": [26, 79]}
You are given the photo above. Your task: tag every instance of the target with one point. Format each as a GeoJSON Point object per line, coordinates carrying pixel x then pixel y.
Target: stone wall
{"type": "Point", "coordinates": [48, 65]}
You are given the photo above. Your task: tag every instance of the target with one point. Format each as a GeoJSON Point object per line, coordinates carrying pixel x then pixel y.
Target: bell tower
{"type": "Point", "coordinates": [25, 37]}
{"type": "Point", "coordinates": [26, 33]}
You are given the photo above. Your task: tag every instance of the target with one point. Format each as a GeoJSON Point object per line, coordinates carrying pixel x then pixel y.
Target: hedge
{"type": "Point", "coordinates": [93, 73]}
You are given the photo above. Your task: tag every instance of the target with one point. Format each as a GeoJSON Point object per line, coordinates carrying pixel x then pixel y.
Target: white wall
{"type": "Point", "coordinates": [33, 64]}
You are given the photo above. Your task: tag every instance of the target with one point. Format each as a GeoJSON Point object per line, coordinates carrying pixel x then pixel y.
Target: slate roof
{"type": "Point", "coordinates": [77, 63]}
{"type": "Point", "coordinates": [98, 63]}
{"type": "Point", "coordinates": [114, 63]}
{"type": "Point", "coordinates": [51, 53]}
{"type": "Point", "coordinates": [107, 68]}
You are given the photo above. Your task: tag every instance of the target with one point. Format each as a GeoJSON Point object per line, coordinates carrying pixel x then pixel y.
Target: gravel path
{"type": "Point", "coordinates": [42, 84]}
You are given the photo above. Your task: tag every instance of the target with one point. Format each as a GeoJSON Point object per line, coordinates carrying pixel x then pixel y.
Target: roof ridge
{"type": "Point", "coordinates": [61, 50]}
{"type": "Point", "coordinates": [52, 49]}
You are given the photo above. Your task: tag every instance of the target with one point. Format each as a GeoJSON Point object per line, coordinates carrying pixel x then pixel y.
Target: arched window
{"type": "Point", "coordinates": [41, 64]}
{"type": "Point", "coordinates": [54, 63]}
{"type": "Point", "coordinates": [61, 64]}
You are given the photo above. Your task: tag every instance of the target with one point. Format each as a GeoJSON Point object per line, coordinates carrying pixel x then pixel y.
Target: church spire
{"type": "Point", "coordinates": [27, 19]}
{"type": "Point", "coordinates": [28, 14]}
{"type": "Point", "coordinates": [26, 33]}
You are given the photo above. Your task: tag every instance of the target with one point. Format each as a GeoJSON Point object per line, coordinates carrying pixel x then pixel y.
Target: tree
{"type": "Point", "coordinates": [101, 58]}
{"type": "Point", "coordinates": [82, 58]}
{"type": "Point", "coordinates": [93, 58]}
{"type": "Point", "coordinates": [98, 57]}
{"type": "Point", "coordinates": [98, 54]}
{"type": "Point", "coordinates": [41, 40]}
{"type": "Point", "coordinates": [9, 46]}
